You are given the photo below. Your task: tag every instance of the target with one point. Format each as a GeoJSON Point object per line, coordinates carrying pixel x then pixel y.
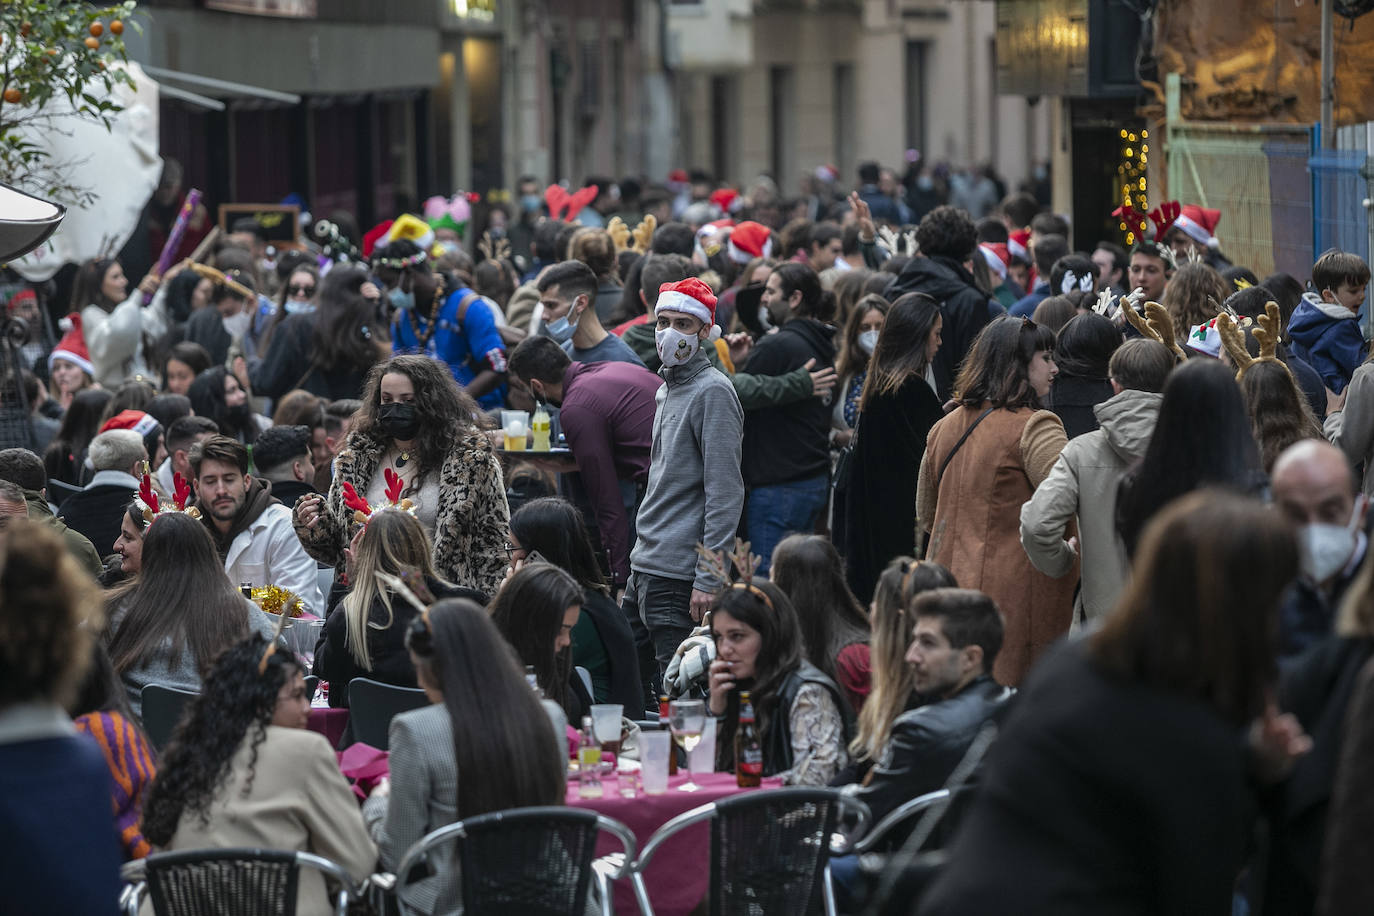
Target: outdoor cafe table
{"type": "Point", "coordinates": [679, 873]}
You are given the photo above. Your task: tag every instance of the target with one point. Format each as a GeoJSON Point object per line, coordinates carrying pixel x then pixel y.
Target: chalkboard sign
{"type": "Point", "coordinates": [281, 222]}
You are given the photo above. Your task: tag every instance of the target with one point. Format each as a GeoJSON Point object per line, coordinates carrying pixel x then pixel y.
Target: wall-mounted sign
{"type": "Point", "coordinates": [479, 10]}
{"type": "Point", "coordinates": [281, 222]}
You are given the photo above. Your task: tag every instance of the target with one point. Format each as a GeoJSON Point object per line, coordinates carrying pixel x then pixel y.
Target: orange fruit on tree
{"type": "Point", "coordinates": [97, 29]}
{"type": "Point", "coordinates": [13, 95]}
{"type": "Point", "coordinates": [117, 27]}
{"type": "Point", "coordinates": [92, 43]}
{"type": "Point", "coordinates": [25, 29]}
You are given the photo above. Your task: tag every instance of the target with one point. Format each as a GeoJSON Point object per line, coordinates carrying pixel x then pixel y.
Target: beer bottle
{"type": "Point", "coordinates": [748, 750]}
{"type": "Point", "coordinates": [663, 717]}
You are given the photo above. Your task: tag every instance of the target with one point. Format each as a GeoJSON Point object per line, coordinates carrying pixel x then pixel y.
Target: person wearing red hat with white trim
{"type": "Point", "coordinates": [1193, 234]}
{"type": "Point", "coordinates": [695, 492]}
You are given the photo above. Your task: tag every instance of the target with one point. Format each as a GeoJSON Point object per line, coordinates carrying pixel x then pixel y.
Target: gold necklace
{"type": "Point", "coordinates": [432, 323]}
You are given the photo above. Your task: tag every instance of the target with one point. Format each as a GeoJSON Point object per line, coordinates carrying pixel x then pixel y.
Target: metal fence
{"type": "Point", "coordinates": [1341, 191]}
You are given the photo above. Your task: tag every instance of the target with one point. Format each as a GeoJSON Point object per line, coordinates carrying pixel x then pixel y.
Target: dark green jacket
{"type": "Point", "coordinates": [754, 391]}
{"type": "Point", "coordinates": [77, 544]}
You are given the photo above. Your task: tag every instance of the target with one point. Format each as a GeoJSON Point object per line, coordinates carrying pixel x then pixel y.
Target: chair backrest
{"type": "Point", "coordinates": [529, 861]}
{"type": "Point", "coordinates": [259, 882]}
{"type": "Point", "coordinates": [247, 882]}
{"type": "Point", "coordinates": [770, 851]}
{"type": "Point", "coordinates": [312, 684]}
{"type": "Point", "coordinates": [162, 710]}
{"type": "Point", "coordinates": [586, 678]}
{"type": "Point", "coordinates": [372, 705]}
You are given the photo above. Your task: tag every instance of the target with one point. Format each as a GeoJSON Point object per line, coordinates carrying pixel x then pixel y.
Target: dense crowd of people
{"type": "Point", "coordinates": [911, 477]}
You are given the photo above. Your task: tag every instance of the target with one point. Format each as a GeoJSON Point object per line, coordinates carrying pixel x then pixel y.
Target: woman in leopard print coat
{"type": "Point", "coordinates": [417, 423]}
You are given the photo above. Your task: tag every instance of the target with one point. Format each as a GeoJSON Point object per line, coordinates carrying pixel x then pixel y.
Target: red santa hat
{"type": "Point", "coordinates": [373, 237]}
{"type": "Point", "coordinates": [995, 254]}
{"type": "Point", "coordinates": [136, 420]}
{"type": "Point", "coordinates": [72, 346]}
{"type": "Point", "coordinates": [24, 295]}
{"type": "Point", "coordinates": [750, 240]}
{"type": "Point", "coordinates": [692, 297]}
{"type": "Point", "coordinates": [1200, 224]}
{"type": "Point", "coordinates": [727, 199]}
{"type": "Point", "coordinates": [1017, 243]}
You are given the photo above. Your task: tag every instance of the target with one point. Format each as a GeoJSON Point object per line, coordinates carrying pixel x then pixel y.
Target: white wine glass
{"type": "Point", "coordinates": [686, 718]}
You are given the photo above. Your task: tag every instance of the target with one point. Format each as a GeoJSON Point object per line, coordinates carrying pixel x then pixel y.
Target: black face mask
{"type": "Point", "coordinates": [398, 420]}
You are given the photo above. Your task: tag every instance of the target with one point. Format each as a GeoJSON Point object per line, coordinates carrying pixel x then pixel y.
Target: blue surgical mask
{"type": "Point", "coordinates": [299, 306]}
{"type": "Point", "coordinates": [562, 329]}
{"type": "Point", "coordinates": [530, 203]}
{"type": "Point", "coordinates": [400, 298]}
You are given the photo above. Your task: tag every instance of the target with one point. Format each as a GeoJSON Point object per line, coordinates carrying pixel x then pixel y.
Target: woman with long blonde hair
{"type": "Point", "coordinates": [892, 691]}
{"type": "Point", "coordinates": [364, 634]}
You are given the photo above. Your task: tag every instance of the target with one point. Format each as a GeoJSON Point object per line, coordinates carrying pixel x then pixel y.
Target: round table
{"type": "Point", "coordinates": [678, 875]}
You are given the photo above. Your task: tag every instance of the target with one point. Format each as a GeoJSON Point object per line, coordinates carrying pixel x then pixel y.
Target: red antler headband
{"type": "Point", "coordinates": [152, 507]}
{"type": "Point", "coordinates": [362, 510]}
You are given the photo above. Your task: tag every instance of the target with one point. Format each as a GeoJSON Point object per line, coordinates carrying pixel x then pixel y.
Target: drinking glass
{"type": "Point", "coordinates": [687, 718]}
{"type": "Point", "coordinates": [654, 748]}
{"type": "Point", "coordinates": [515, 426]}
{"type": "Point", "coordinates": [606, 729]}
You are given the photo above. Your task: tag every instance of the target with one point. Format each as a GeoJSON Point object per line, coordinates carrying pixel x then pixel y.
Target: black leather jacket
{"type": "Point", "coordinates": [927, 744]}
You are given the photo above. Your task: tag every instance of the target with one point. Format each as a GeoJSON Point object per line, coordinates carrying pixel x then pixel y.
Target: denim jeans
{"type": "Point", "coordinates": [659, 613]}
{"type": "Point", "coordinates": [780, 509]}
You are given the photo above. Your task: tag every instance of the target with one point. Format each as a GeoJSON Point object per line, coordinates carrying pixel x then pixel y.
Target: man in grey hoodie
{"type": "Point", "coordinates": [1084, 481]}
{"type": "Point", "coordinates": [695, 491]}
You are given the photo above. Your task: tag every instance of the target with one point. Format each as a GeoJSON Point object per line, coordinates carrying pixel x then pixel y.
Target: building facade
{"type": "Point", "coordinates": [783, 86]}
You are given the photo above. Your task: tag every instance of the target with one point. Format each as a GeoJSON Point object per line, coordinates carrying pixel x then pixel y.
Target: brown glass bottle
{"type": "Point", "coordinates": [663, 721]}
{"type": "Point", "coordinates": [748, 749]}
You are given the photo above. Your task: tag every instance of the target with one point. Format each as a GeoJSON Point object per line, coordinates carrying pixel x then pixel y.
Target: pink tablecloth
{"type": "Point", "coordinates": [328, 722]}
{"type": "Point", "coordinates": [678, 875]}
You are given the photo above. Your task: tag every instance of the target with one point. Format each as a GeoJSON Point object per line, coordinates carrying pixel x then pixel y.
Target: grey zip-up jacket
{"type": "Point", "coordinates": [695, 492]}
{"type": "Point", "coordinates": [1083, 482]}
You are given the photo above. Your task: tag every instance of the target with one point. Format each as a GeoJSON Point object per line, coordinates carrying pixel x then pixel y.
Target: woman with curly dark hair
{"type": "Point", "coordinates": [329, 349]}
{"type": "Point", "coordinates": [242, 771]}
{"type": "Point", "coordinates": [418, 424]}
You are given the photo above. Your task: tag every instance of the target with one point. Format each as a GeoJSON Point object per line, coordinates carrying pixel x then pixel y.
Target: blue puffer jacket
{"type": "Point", "coordinates": [1327, 335]}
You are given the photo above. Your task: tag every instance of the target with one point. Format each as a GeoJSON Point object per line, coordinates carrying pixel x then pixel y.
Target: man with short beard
{"type": "Point", "coordinates": [252, 531]}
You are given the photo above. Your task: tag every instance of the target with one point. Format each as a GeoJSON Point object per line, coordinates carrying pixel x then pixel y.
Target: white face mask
{"type": "Point", "coordinates": [674, 347]}
{"type": "Point", "coordinates": [868, 341]}
{"type": "Point", "coordinates": [1324, 549]}
{"type": "Point", "coordinates": [237, 325]}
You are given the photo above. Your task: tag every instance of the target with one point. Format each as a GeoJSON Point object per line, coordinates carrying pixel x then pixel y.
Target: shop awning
{"type": "Point", "coordinates": [226, 87]}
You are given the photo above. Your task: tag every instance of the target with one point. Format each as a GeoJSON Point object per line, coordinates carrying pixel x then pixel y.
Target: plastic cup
{"type": "Point", "coordinates": [606, 725]}
{"type": "Point", "coordinates": [515, 425]}
{"type": "Point", "coordinates": [654, 748]}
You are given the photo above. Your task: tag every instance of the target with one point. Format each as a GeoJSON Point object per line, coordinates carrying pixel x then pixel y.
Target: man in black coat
{"type": "Point", "coordinates": [96, 512]}
{"type": "Point", "coordinates": [947, 239]}
{"type": "Point", "coordinates": [281, 456]}
{"type": "Point", "coordinates": [786, 453]}
{"type": "Point", "coordinates": [957, 636]}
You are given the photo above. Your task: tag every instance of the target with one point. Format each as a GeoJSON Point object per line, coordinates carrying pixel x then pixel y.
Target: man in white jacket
{"type": "Point", "coordinates": [252, 530]}
{"type": "Point", "coordinates": [1084, 481]}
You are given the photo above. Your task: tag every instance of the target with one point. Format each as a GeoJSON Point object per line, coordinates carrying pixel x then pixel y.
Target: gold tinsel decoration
{"type": "Point", "coordinates": [272, 599]}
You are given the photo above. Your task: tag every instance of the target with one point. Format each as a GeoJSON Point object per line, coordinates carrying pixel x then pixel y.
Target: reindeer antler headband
{"type": "Point", "coordinates": [1157, 324]}
{"type": "Point", "coordinates": [1266, 334]}
{"type": "Point", "coordinates": [362, 510]}
{"type": "Point", "coordinates": [744, 563]}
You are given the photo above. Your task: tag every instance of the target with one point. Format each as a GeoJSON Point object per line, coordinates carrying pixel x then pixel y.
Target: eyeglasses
{"type": "Point", "coordinates": [301, 290]}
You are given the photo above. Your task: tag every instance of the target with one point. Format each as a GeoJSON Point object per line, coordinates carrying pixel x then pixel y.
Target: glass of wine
{"type": "Point", "coordinates": [686, 718]}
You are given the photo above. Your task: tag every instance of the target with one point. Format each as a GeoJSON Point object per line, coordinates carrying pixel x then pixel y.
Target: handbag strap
{"type": "Point", "coordinates": [962, 439]}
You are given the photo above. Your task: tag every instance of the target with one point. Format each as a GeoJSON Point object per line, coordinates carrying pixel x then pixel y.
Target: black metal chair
{"type": "Point", "coordinates": [372, 705]}
{"type": "Point", "coordinates": [312, 685]}
{"type": "Point", "coordinates": [880, 834]}
{"type": "Point", "coordinates": [246, 882]}
{"type": "Point", "coordinates": [526, 861]}
{"type": "Point", "coordinates": [162, 710]}
{"type": "Point", "coordinates": [770, 850]}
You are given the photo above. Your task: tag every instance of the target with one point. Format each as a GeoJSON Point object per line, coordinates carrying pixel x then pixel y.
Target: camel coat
{"type": "Point", "coordinates": [973, 516]}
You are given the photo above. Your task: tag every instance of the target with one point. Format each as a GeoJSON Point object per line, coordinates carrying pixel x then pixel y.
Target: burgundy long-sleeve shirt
{"type": "Point", "coordinates": [608, 418]}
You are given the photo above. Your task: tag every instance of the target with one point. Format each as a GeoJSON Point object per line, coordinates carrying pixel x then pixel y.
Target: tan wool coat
{"type": "Point", "coordinates": [973, 516]}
